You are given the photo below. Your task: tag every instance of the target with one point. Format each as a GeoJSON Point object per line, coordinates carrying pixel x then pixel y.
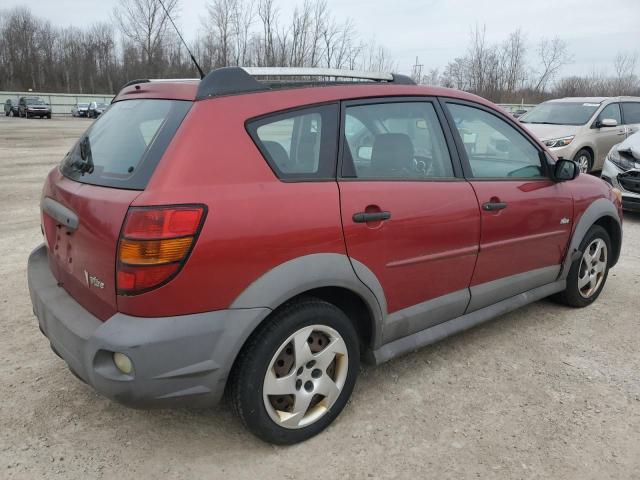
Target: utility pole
{"type": "Point", "coordinates": [417, 71]}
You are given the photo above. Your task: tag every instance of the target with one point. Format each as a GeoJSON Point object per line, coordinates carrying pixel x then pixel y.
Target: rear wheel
{"type": "Point", "coordinates": [584, 160]}
{"type": "Point", "coordinates": [588, 274]}
{"type": "Point", "coordinates": [296, 373]}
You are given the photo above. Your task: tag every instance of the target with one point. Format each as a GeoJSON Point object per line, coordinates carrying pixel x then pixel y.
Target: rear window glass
{"type": "Point", "coordinates": [122, 148]}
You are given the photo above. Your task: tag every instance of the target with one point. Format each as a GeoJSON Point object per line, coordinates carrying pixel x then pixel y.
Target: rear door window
{"type": "Point", "coordinates": [300, 144]}
{"type": "Point", "coordinates": [631, 112]}
{"type": "Point", "coordinates": [122, 148]}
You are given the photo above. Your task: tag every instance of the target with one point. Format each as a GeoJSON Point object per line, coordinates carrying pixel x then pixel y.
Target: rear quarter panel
{"type": "Point", "coordinates": [255, 222]}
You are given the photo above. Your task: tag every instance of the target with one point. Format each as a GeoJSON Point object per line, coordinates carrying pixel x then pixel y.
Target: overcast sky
{"type": "Point", "coordinates": [436, 31]}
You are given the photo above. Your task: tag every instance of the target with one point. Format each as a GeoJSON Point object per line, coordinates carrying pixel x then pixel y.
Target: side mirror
{"type": "Point", "coordinates": [607, 122]}
{"type": "Point", "coordinates": [565, 170]}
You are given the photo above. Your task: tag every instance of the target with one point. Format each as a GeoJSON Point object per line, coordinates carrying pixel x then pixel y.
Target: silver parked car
{"type": "Point", "coordinates": [622, 170]}
{"type": "Point", "coordinates": [80, 110]}
{"type": "Point", "coordinates": [584, 129]}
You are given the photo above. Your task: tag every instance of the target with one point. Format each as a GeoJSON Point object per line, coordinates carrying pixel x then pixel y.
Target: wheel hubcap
{"type": "Point", "coordinates": [305, 376]}
{"type": "Point", "coordinates": [592, 268]}
{"type": "Point", "coordinates": [583, 163]}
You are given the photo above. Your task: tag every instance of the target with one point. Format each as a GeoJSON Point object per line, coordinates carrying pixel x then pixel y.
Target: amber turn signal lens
{"type": "Point", "coordinates": [154, 252]}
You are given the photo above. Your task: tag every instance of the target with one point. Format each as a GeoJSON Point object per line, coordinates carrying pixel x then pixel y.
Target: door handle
{"type": "Point", "coordinates": [362, 217]}
{"type": "Point", "coordinates": [490, 206]}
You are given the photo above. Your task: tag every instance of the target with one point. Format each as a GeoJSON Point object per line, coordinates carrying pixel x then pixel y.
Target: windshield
{"type": "Point", "coordinates": [35, 101]}
{"type": "Point", "coordinates": [83, 105]}
{"type": "Point", "coordinates": [122, 148]}
{"type": "Point", "coordinates": [102, 105]}
{"type": "Point", "coordinates": [561, 113]}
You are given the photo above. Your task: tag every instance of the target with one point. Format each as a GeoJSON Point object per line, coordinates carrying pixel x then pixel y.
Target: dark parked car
{"type": "Point", "coordinates": [260, 238]}
{"type": "Point", "coordinates": [11, 107]}
{"type": "Point", "coordinates": [96, 109]}
{"type": "Point", "coordinates": [33, 107]}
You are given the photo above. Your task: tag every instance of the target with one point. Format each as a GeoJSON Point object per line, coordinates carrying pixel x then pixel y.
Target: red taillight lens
{"type": "Point", "coordinates": [144, 223]}
{"type": "Point", "coordinates": [154, 244]}
{"type": "Point", "coordinates": [136, 279]}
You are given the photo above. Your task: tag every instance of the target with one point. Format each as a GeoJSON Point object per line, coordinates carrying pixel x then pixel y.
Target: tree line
{"type": "Point", "coordinates": [139, 42]}
{"type": "Point", "coordinates": [513, 71]}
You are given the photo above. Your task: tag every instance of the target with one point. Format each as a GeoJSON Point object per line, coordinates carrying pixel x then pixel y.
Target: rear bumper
{"type": "Point", "coordinates": [177, 361]}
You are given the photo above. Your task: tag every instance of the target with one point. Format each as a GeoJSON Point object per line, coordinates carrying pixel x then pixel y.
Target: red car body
{"type": "Point", "coordinates": [440, 241]}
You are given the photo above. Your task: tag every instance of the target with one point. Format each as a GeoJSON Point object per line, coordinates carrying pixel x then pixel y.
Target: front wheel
{"type": "Point", "coordinates": [588, 274]}
{"type": "Point", "coordinates": [296, 373]}
{"type": "Point", "coordinates": [584, 160]}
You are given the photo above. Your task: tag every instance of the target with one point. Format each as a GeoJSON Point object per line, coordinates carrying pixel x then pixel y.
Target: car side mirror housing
{"type": "Point", "coordinates": [607, 122]}
{"type": "Point", "coordinates": [565, 170]}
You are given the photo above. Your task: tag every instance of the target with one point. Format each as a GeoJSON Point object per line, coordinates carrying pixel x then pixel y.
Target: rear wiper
{"type": "Point", "coordinates": [86, 164]}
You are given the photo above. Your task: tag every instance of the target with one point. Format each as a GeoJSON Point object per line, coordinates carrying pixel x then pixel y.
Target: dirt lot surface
{"type": "Point", "coordinates": [545, 392]}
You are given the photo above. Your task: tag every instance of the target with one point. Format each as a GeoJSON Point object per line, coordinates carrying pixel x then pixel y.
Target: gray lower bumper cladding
{"type": "Point", "coordinates": [182, 360]}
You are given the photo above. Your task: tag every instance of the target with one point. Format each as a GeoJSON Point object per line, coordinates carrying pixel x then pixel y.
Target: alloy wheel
{"type": "Point", "coordinates": [593, 267]}
{"type": "Point", "coordinates": [305, 376]}
{"type": "Point", "coordinates": [583, 163]}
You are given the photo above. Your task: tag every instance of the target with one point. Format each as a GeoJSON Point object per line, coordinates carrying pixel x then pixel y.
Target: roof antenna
{"type": "Point", "coordinates": [195, 62]}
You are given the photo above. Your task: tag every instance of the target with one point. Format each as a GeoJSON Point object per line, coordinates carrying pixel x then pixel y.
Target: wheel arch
{"type": "Point", "coordinates": [601, 212]}
{"type": "Point", "coordinates": [330, 277]}
{"type": "Point", "coordinates": [615, 234]}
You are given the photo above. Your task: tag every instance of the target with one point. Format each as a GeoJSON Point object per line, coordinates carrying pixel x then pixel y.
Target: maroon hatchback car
{"type": "Point", "coordinates": [250, 235]}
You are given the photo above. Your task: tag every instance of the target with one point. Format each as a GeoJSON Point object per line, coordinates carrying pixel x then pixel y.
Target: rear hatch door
{"type": "Point", "coordinates": [85, 201]}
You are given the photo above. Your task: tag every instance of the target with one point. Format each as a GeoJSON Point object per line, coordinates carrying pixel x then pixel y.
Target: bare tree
{"type": "Point", "coordinates": [553, 55]}
{"type": "Point", "coordinates": [626, 80]}
{"type": "Point", "coordinates": [145, 24]}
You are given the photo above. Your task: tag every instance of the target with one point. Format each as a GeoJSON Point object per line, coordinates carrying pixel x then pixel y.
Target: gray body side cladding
{"type": "Point", "coordinates": [598, 209]}
{"type": "Point", "coordinates": [438, 332]}
{"type": "Point", "coordinates": [426, 314]}
{"type": "Point", "coordinates": [489, 293]}
{"type": "Point", "coordinates": [183, 360]}
{"type": "Point", "coordinates": [316, 271]}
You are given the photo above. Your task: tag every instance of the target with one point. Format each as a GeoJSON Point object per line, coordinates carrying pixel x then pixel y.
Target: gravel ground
{"type": "Point", "coordinates": [544, 392]}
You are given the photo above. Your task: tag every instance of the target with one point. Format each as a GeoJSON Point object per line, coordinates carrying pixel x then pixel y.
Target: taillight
{"type": "Point", "coordinates": [154, 244]}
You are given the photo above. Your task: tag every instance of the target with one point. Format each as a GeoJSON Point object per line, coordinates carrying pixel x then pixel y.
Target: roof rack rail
{"type": "Point", "coordinates": [236, 80]}
{"type": "Point", "coordinates": [134, 82]}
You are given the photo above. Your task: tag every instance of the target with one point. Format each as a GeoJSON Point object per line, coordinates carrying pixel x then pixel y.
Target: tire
{"type": "Point", "coordinates": [584, 159]}
{"type": "Point", "coordinates": [49, 116]}
{"type": "Point", "coordinates": [270, 355]}
{"type": "Point", "coordinates": [6, 114]}
{"type": "Point", "coordinates": [579, 296]}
